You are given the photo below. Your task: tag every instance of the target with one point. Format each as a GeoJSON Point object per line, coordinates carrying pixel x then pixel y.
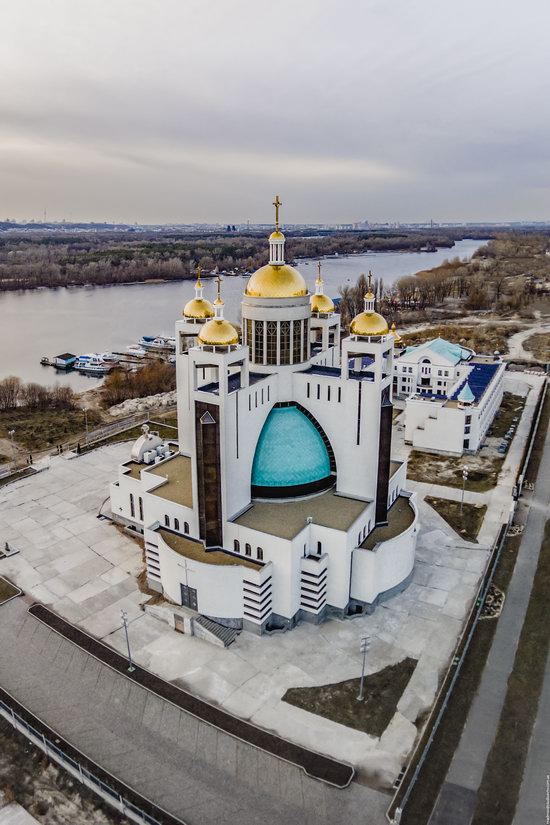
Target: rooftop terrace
{"type": "Point", "coordinates": [178, 487]}
{"type": "Point", "coordinates": [196, 551]}
{"type": "Point", "coordinates": [287, 518]}
{"type": "Point", "coordinates": [400, 517]}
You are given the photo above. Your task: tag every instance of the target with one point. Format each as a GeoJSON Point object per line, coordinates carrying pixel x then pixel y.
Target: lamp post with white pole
{"type": "Point", "coordinates": [365, 644]}
{"type": "Point", "coordinates": [11, 434]}
{"type": "Point", "coordinates": [464, 480]}
{"type": "Point", "coordinates": [124, 615]}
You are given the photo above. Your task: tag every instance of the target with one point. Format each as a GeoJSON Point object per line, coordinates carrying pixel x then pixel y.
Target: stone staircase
{"type": "Point", "coordinates": [221, 633]}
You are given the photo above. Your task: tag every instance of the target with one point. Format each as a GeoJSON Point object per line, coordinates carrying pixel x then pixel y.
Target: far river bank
{"type": "Point", "coordinates": [48, 322]}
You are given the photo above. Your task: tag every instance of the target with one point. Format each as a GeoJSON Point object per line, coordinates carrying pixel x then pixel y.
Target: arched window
{"type": "Point", "coordinates": [132, 506]}
{"type": "Point", "coordinates": [237, 546]}
{"type": "Point", "coordinates": [166, 521]}
{"type": "Point", "coordinates": [319, 548]}
{"type": "Point", "coordinates": [186, 527]}
{"type": "Point", "coordinates": [259, 554]}
{"type": "Point", "coordinates": [177, 524]}
{"type": "Point", "coordinates": [248, 550]}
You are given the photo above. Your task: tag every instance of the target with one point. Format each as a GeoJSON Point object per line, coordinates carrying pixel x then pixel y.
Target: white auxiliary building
{"type": "Point", "coordinates": [452, 395]}
{"type": "Point", "coordinates": [282, 502]}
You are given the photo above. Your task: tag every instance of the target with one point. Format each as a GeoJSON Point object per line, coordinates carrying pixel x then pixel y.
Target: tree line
{"type": "Point", "coordinates": [150, 379]}
{"type": "Point", "coordinates": [27, 263]}
{"type": "Point", "coordinates": [16, 394]}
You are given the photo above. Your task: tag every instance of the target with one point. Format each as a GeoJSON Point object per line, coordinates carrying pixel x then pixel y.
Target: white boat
{"type": "Point", "coordinates": [136, 351]}
{"type": "Point", "coordinates": [156, 342]}
{"type": "Point", "coordinates": [110, 357]}
{"type": "Point", "coordinates": [93, 364]}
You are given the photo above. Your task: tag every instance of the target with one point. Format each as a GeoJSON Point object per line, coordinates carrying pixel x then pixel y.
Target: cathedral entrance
{"type": "Point", "coordinates": [189, 597]}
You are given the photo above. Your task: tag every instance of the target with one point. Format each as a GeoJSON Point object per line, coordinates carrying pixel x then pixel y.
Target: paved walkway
{"type": "Point", "coordinates": [457, 796]}
{"type": "Point", "coordinates": [185, 766]}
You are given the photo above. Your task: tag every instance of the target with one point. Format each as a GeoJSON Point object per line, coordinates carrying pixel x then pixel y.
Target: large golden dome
{"type": "Point", "coordinates": [272, 281]}
{"type": "Point", "coordinates": [198, 308]}
{"type": "Point", "coordinates": [321, 303]}
{"type": "Point", "coordinates": [218, 333]}
{"type": "Point", "coordinates": [369, 323]}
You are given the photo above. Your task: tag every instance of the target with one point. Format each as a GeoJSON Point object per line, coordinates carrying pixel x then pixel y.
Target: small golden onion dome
{"type": "Point", "coordinates": [198, 308]}
{"type": "Point", "coordinates": [321, 303]}
{"type": "Point", "coordinates": [369, 323]}
{"type": "Point", "coordinates": [396, 337]}
{"type": "Point", "coordinates": [218, 333]}
{"type": "Point", "coordinates": [272, 281]}
{"type": "Point", "coordinates": [277, 235]}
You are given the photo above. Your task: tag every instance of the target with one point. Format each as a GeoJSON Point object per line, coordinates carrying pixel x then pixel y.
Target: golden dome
{"type": "Point", "coordinates": [369, 323]}
{"type": "Point", "coordinates": [218, 333]}
{"type": "Point", "coordinates": [321, 303]}
{"type": "Point", "coordinates": [272, 281]}
{"type": "Point", "coordinates": [198, 308]}
{"type": "Point", "coordinates": [277, 235]}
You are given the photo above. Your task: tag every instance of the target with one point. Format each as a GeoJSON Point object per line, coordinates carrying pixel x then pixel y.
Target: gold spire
{"type": "Point", "coordinates": [370, 293]}
{"type": "Point", "coordinates": [199, 273]}
{"type": "Point", "coordinates": [218, 301]}
{"type": "Point", "coordinates": [277, 204]}
{"type": "Point", "coordinates": [319, 279]}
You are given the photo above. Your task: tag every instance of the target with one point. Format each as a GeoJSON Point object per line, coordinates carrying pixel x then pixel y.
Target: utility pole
{"type": "Point", "coordinates": [124, 615]}
{"type": "Point", "coordinates": [86, 420]}
{"type": "Point", "coordinates": [365, 644]}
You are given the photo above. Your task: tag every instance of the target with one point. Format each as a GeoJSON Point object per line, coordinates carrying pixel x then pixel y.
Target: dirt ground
{"type": "Point", "coordinates": [338, 702]}
{"type": "Point", "coordinates": [466, 521]}
{"type": "Point", "coordinates": [483, 469]}
{"type": "Point", "coordinates": [52, 796]}
{"type": "Point", "coordinates": [539, 345]}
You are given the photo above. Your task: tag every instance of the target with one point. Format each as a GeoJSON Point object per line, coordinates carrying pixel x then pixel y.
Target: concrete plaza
{"type": "Point", "coordinates": [86, 569]}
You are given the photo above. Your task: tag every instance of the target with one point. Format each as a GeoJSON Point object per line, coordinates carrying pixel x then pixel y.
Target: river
{"type": "Point", "coordinates": [102, 319]}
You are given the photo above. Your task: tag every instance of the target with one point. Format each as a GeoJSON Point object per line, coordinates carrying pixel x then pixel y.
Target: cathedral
{"type": "Point", "coordinates": [280, 502]}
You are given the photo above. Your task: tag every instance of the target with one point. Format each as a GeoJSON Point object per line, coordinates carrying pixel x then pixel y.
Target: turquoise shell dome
{"type": "Point", "coordinates": [291, 457]}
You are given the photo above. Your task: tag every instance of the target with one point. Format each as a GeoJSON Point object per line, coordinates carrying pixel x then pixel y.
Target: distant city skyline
{"type": "Point", "coordinates": [170, 112]}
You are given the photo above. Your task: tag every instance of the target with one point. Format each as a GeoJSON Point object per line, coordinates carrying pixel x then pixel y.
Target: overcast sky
{"type": "Point", "coordinates": [200, 110]}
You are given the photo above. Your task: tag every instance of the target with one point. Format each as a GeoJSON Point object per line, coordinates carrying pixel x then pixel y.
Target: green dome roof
{"type": "Point", "coordinates": [291, 456]}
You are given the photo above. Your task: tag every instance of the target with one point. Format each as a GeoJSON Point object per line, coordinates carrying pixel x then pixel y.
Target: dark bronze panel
{"type": "Point", "coordinates": [208, 473]}
{"type": "Point", "coordinates": [384, 454]}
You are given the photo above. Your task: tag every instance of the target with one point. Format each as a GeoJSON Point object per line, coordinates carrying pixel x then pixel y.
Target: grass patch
{"type": "Point", "coordinates": [466, 523]}
{"type": "Point", "coordinates": [441, 469]}
{"type": "Point", "coordinates": [483, 338]}
{"type": "Point", "coordinates": [499, 790]}
{"type": "Point", "coordinates": [338, 702]}
{"type": "Point", "coordinates": [434, 770]}
{"type": "Point", "coordinates": [511, 407]}
{"type": "Point", "coordinates": [539, 345]}
{"type": "Point", "coordinates": [40, 429]}
{"type": "Point", "coordinates": [7, 590]}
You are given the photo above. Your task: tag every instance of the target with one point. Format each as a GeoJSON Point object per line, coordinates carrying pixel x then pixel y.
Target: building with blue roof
{"type": "Point", "coordinates": [453, 397]}
{"type": "Point", "coordinates": [432, 368]}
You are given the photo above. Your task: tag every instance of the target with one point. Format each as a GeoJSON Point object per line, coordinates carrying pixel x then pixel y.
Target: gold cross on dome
{"type": "Point", "coordinates": [219, 283]}
{"type": "Point", "coordinates": [199, 273]}
{"type": "Point", "coordinates": [277, 204]}
{"type": "Point", "coordinates": [370, 281]}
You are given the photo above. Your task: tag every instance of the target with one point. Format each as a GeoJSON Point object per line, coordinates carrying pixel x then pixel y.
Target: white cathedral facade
{"type": "Point", "coordinates": [281, 502]}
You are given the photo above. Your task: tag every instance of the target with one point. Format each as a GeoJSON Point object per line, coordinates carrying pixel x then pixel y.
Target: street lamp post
{"type": "Point", "coordinates": [11, 434]}
{"type": "Point", "coordinates": [464, 480]}
{"type": "Point", "coordinates": [365, 644]}
{"type": "Point", "coordinates": [124, 615]}
{"type": "Point", "coordinates": [86, 420]}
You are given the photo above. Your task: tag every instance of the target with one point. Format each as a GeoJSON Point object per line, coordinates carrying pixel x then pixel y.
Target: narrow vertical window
{"type": "Point", "coordinates": [237, 546]}
{"type": "Point", "coordinates": [186, 527]}
{"type": "Point", "coordinates": [247, 550]}
{"type": "Point", "coordinates": [166, 521]}
{"type": "Point", "coordinates": [259, 554]}
{"type": "Point", "coordinates": [177, 524]}
{"type": "Point", "coordinates": [132, 506]}
{"type": "Point", "coordinates": [319, 548]}
{"type": "Point", "coordinates": [140, 502]}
